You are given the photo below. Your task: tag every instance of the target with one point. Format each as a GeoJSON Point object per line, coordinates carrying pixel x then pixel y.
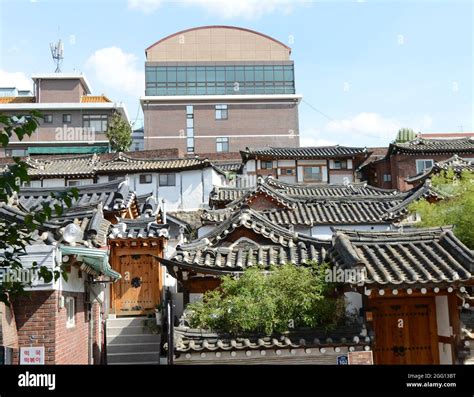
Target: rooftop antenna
{"type": "Point", "coordinates": [57, 52]}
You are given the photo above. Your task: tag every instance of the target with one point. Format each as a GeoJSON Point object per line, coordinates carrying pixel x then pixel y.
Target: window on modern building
{"type": "Point", "coordinates": [66, 118]}
{"type": "Point", "coordinates": [73, 182]}
{"type": "Point", "coordinates": [137, 147]}
{"type": "Point", "coordinates": [167, 180]}
{"type": "Point", "coordinates": [190, 145]}
{"type": "Point", "coordinates": [221, 112]}
{"type": "Point", "coordinates": [145, 179]}
{"type": "Point", "coordinates": [70, 312]}
{"type": "Point", "coordinates": [97, 122]}
{"type": "Point", "coordinates": [266, 165]}
{"type": "Point", "coordinates": [190, 128]}
{"type": "Point", "coordinates": [422, 165]}
{"type": "Point", "coordinates": [48, 118]}
{"type": "Point", "coordinates": [222, 145]}
{"type": "Point", "coordinates": [340, 164]}
{"type": "Point", "coordinates": [189, 109]}
{"type": "Point", "coordinates": [312, 174]}
{"type": "Point", "coordinates": [387, 177]}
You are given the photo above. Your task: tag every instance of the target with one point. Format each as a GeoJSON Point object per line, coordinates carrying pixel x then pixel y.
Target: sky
{"type": "Point", "coordinates": [364, 68]}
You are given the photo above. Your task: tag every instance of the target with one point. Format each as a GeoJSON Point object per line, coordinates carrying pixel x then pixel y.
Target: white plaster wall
{"type": "Point", "coordinates": [250, 166]}
{"type": "Point", "coordinates": [341, 178]}
{"type": "Point", "coordinates": [54, 182]}
{"type": "Point", "coordinates": [192, 189]}
{"type": "Point", "coordinates": [286, 163]}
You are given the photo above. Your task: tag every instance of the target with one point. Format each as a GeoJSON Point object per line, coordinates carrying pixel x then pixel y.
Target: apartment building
{"type": "Point", "coordinates": [219, 89]}
{"type": "Point", "coordinates": [74, 121]}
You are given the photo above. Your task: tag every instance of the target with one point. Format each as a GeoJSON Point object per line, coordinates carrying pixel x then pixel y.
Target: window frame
{"type": "Point", "coordinates": [223, 143]}
{"type": "Point", "coordinates": [48, 118]}
{"type": "Point", "coordinates": [423, 161]}
{"type": "Point", "coordinates": [142, 179]}
{"type": "Point", "coordinates": [64, 118]}
{"type": "Point", "coordinates": [262, 162]}
{"type": "Point", "coordinates": [168, 183]}
{"type": "Point", "coordinates": [221, 112]}
{"type": "Point", "coordinates": [305, 179]}
{"type": "Point", "coordinates": [70, 305]}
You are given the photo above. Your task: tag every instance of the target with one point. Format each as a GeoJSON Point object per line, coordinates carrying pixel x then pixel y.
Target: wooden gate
{"type": "Point", "coordinates": [405, 331]}
{"type": "Point", "coordinates": [139, 289]}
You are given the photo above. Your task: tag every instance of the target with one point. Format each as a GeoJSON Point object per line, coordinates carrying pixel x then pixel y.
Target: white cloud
{"type": "Point", "coordinates": [15, 79]}
{"type": "Point", "coordinates": [118, 70]}
{"type": "Point", "coordinates": [228, 9]}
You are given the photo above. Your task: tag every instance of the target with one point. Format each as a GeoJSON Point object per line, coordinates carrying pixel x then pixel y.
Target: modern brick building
{"type": "Point", "coordinates": [75, 121]}
{"type": "Point", "coordinates": [219, 89]}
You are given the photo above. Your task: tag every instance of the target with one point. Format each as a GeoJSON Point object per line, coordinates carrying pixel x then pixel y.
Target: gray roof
{"type": "Point", "coordinates": [199, 340]}
{"type": "Point", "coordinates": [91, 165]}
{"type": "Point", "coordinates": [417, 257]}
{"type": "Point", "coordinates": [423, 145]}
{"type": "Point", "coordinates": [316, 152]}
{"type": "Point", "coordinates": [455, 163]}
{"type": "Point", "coordinates": [226, 195]}
{"type": "Point", "coordinates": [278, 245]}
{"type": "Point", "coordinates": [113, 196]}
{"type": "Point", "coordinates": [141, 228]}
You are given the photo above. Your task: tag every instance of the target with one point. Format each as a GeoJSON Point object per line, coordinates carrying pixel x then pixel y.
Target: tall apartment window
{"type": "Point", "coordinates": [145, 179]}
{"type": "Point", "coordinates": [98, 122]}
{"type": "Point", "coordinates": [340, 164]}
{"type": "Point", "coordinates": [48, 118]}
{"type": "Point", "coordinates": [190, 129]}
{"type": "Point", "coordinates": [266, 165]}
{"type": "Point", "coordinates": [167, 180]}
{"type": "Point", "coordinates": [422, 165]}
{"type": "Point", "coordinates": [221, 112]}
{"type": "Point", "coordinates": [312, 174]}
{"type": "Point", "coordinates": [66, 119]}
{"type": "Point", "coordinates": [70, 312]}
{"type": "Point", "coordinates": [222, 144]}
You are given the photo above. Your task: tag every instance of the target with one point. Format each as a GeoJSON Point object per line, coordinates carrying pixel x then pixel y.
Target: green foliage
{"type": "Point", "coordinates": [119, 133]}
{"type": "Point", "coordinates": [457, 209]}
{"type": "Point", "coordinates": [405, 135]}
{"type": "Point", "coordinates": [16, 236]}
{"type": "Point", "coordinates": [287, 297]}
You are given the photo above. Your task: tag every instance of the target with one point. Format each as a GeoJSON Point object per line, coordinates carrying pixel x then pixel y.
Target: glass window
{"type": "Point", "coordinates": [167, 179]}
{"type": "Point", "coordinates": [48, 118]}
{"type": "Point", "coordinates": [266, 165]}
{"type": "Point", "coordinates": [171, 75]}
{"type": "Point", "coordinates": [189, 122]}
{"type": "Point", "coordinates": [387, 177]}
{"type": "Point", "coordinates": [70, 312]}
{"type": "Point", "coordinates": [190, 144]}
{"type": "Point", "coordinates": [222, 145]}
{"type": "Point", "coordinates": [97, 122]}
{"type": "Point", "coordinates": [312, 174]}
{"type": "Point", "coordinates": [221, 112]}
{"type": "Point", "coordinates": [73, 182]}
{"type": "Point", "coordinates": [340, 164]}
{"type": "Point", "coordinates": [422, 165]}
{"type": "Point", "coordinates": [189, 109]}
{"type": "Point", "coordinates": [145, 179]}
{"type": "Point", "coordinates": [190, 132]}
{"type": "Point", "coordinates": [161, 75]}
{"type": "Point", "coordinates": [66, 118]}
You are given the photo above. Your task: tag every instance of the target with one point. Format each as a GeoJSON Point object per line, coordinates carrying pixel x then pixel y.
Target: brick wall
{"type": "Point", "coordinates": [40, 322]}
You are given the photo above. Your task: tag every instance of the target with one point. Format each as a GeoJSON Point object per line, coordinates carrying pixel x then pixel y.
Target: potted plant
{"type": "Point", "coordinates": [158, 313]}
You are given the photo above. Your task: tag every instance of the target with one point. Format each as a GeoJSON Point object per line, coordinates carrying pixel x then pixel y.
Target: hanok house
{"type": "Point", "coordinates": [62, 319]}
{"type": "Point", "coordinates": [455, 163]}
{"type": "Point", "coordinates": [315, 209]}
{"type": "Point", "coordinates": [405, 160]}
{"type": "Point", "coordinates": [248, 239]}
{"type": "Point", "coordinates": [322, 164]}
{"type": "Point", "coordinates": [413, 286]}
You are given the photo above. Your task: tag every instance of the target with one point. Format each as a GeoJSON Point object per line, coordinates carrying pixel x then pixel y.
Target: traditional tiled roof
{"type": "Point", "coordinates": [138, 229]}
{"type": "Point", "coordinates": [421, 145]}
{"type": "Point", "coordinates": [17, 99]}
{"type": "Point", "coordinates": [89, 166]}
{"type": "Point", "coordinates": [94, 98]}
{"type": "Point", "coordinates": [316, 152]}
{"type": "Point", "coordinates": [224, 195]}
{"type": "Point", "coordinates": [199, 340]}
{"type": "Point", "coordinates": [418, 257]}
{"type": "Point", "coordinates": [114, 196]}
{"type": "Point", "coordinates": [456, 163]}
{"type": "Point", "coordinates": [126, 163]}
{"type": "Point", "coordinates": [228, 167]}
{"type": "Point", "coordinates": [280, 245]}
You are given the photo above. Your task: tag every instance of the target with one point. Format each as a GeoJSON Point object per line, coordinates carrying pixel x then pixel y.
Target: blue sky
{"type": "Point", "coordinates": [364, 68]}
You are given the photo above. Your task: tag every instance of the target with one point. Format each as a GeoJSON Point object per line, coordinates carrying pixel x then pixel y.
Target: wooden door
{"type": "Point", "coordinates": [139, 289]}
{"type": "Point", "coordinates": [405, 331]}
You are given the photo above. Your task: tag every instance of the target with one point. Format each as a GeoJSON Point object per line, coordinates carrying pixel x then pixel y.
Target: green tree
{"type": "Point", "coordinates": [456, 209]}
{"type": "Point", "coordinates": [16, 236]}
{"type": "Point", "coordinates": [405, 135]}
{"type": "Point", "coordinates": [288, 296]}
{"type": "Point", "coordinates": [119, 133]}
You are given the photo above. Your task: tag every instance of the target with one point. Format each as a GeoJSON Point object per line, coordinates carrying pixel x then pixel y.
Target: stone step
{"type": "Point", "coordinates": [125, 321]}
{"type": "Point", "coordinates": [151, 357]}
{"type": "Point", "coordinates": [129, 330]}
{"type": "Point", "coordinates": [138, 338]}
{"type": "Point", "coordinates": [137, 347]}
